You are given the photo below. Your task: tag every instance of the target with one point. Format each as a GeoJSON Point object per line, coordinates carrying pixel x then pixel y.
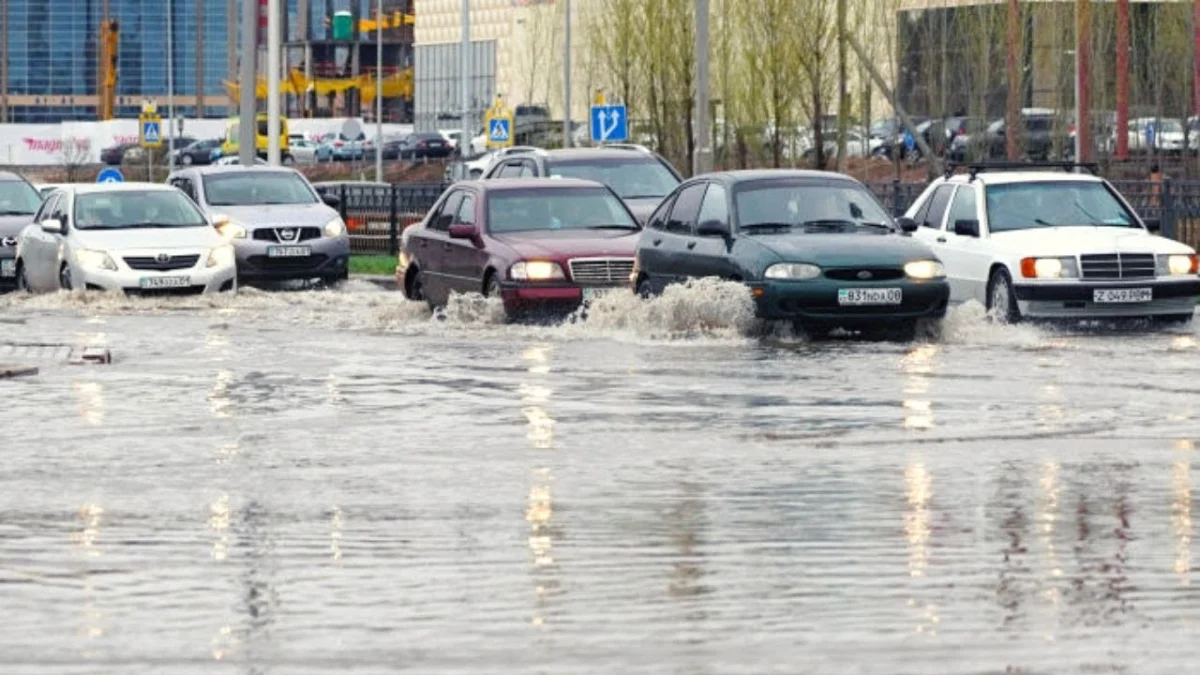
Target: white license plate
{"type": "Point", "coordinates": [8, 268]}
{"type": "Point", "coordinates": [165, 282]}
{"type": "Point", "coordinates": [1122, 295]}
{"type": "Point", "coordinates": [288, 251]}
{"type": "Point", "coordinates": [590, 294]}
{"type": "Point", "coordinates": [869, 296]}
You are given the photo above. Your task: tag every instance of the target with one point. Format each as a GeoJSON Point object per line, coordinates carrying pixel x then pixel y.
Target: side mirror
{"type": "Point", "coordinates": [907, 225]}
{"type": "Point", "coordinates": [713, 228]}
{"type": "Point", "coordinates": [966, 228]}
{"type": "Point", "coordinates": [52, 225]}
{"type": "Point", "coordinates": [219, 219]}
{"type": "Point", "coordinates": [1153, 224]}
{"type": "Point", "coordinates": [332, 201]}
{"type": "Point", "coordinates": [463, 231]}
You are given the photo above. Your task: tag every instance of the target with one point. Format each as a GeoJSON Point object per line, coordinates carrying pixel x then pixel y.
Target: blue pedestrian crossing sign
{"type": "Point", "coordinates": [609, 124]}
{"type": "Point", "coordinates": [499, 131]}
{"type": "Point", "coordinates": [150, 131]}
{"type": "Point", "coordinates": [110, 175]}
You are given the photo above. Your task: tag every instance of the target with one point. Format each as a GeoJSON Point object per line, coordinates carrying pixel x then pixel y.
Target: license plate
{"type": "Point", "coordinates": [288, 251]}
{"type": "Point", "coordinates": [590, 293]}
{"type": "Point", "coordinates": [8, 268]}
{"type": "Point", "coordinates": [165, 282]}
{"type": "Point", "coordinates": [869, 296]}
{"type": "Point", "coordinates": [1122, 295]}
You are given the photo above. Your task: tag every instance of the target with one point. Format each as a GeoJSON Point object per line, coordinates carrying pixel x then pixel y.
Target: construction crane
{"type": "Point", "coordinates": [110, 39]}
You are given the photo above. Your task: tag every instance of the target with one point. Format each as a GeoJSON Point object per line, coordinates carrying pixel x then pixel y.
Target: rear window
{"type": "Point", "coordinates": [558, 209]}
{"type": "Point", "coordinates": [635, 177]}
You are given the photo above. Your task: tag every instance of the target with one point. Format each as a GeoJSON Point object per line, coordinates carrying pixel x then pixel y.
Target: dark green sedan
{"type": "Point", "coordinates": [815, 248]}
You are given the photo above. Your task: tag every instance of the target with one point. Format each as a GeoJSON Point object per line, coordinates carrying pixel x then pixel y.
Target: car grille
{"type": "Point", "coordinates": [311, 262]}
{"type": "Point", "coordinates": [601, 271]}
{"type": "Point", "coordinates": [276, 234]}
{"type": "Point", "coordinates": [877, 274]}
{"type": "Point", "coordinates": [176, 262]}
{"type": "Point", "coordinates": [1118, 266]}
{"type": "Point", "coordinates": [164, 292]}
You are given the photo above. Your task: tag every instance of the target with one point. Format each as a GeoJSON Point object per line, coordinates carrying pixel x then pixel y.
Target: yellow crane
{"type": "Point", "coordinates": [110, 41]}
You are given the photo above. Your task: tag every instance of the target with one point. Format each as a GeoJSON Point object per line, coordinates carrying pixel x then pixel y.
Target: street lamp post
{"type": "Point", "coordinates": [465, 69]}
{"type": "Point", "coordinates": [170, 86]}
{"type": "Point", "coordinates": [273, 49]}
{"type": "Point", "coordinates": [249, 84]}
{"type": "Point", "coordinates": [567, 76]}
{"type": "Point", "coordinates": [379, 92]}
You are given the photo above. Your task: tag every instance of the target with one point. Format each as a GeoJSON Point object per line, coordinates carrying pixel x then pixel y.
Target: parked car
{"type": "Point", "coordinates": [345, 149]}
{"type": "Point", "coordinates": [46, 188]}
{"type": "Point", "coordinates": [536, 244]}
{"type": "Point", "coordinates": [114, 155]}
{"type": "Point", "coordinates": [280, 227]}
{"type": "Point", "coordinates": [139, 238]}
{"type": "Point", "coordinates": [392, 148]}
{"type": "Point", "coordinates": [198, 153]}
{"type": "Point", "coordinates": [1031, 244]}
{"type": "Point", "coordinates": [136, 154]}
{"type": "Point", "coordinates": [431, 145]}
{"type": "Point", "coordinates": [640, 177]}
{"type": "Point", "coordinates": [19, 201]}
{"type": "Point", "coordinates": [310, 152]}
{"type": "Point", "coordinates": [815, 248]}
{"type": "Point", "coordinates": [1163, 135]}
{"type": "Point", "coordinates": [234, 160]}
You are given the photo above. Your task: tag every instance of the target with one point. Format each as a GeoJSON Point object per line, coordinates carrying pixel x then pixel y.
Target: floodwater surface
{"type": "Point", "coordinates": [339, 482]}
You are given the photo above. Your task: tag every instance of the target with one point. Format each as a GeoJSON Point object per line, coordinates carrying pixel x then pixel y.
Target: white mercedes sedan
{"type": "Point", "coordinates": [1040, 245]}
{"type": "Point", "coordinates": [140, 238]}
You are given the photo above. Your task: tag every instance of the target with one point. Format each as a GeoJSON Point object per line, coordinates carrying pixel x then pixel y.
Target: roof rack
{"type": "Point", "coordinates": [976, 168]}
{"type": "Point", "coordinates": [626, 146]}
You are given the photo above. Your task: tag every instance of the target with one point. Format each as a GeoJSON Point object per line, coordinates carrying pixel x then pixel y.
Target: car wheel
{"type": "Point", "coordinates": [64, 278]}
{"type": "Point", "coordinates": [645, 289]}
{"type": "Point", "coordinates": [492, 290]}
{"type": "Point", "coordinates": [1172, 319]}
{"type": "Point", "coordinates": [186, 160]}
{"type": "Point", "coordinates": [1002, 302]}
{"type": "Point", "coordinates": [22, 279]}
{"type": "Point", "coordinates": [287, 160]}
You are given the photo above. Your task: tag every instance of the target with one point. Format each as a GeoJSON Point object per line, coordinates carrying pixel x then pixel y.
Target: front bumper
{"type": "Point", "coordinates": [816, 302]}
{"type": "Point", "coordinates": [1075, 300]}
{"type": "Point", "coordinates": [199, 280]}
{"type": "Point", "coordinates": [521, 295]}
{"type": "Point", "coordinates": [329, 257]}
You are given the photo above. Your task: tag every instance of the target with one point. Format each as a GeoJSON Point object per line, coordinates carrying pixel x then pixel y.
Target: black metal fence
{"type": "Point", "coordinates": [377, 213]}
{"type": "Point", "coordinates": [1175, 204]}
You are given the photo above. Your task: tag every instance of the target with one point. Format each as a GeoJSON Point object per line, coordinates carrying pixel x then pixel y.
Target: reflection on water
{"type": "Point", "coordinates": [92, 626]}
{"type": "Point", "coordinates": [919, 367]}
{"type": "Point", "coordinates": [539, 510]}
{"type": "Point", "coordinates": [218, 522]}
{"type": "Point", "coordinates": [1181, 518]}
{"type": "Point", "coordinates": [218, 399]}
{"type": "Point", "coordinates": [1048, 516]}
{"type": "Point", "coordinates": [90, 395]}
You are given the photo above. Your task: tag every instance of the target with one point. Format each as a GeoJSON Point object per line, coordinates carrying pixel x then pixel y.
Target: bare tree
{"type": "Point", "coordinates": [74, 157]}
{"type": "Point", "coordinates": [815, 42]}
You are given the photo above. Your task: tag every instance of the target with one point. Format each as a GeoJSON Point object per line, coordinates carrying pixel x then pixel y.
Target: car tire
{"type": "Point", "coordinates": [492, 289]}
{"type": "Point", "coordinates": [645, 289]}
{"type": "Point", "coordinates": [1172, 319]}
{"type": "Point", "coordinates": [186, 160]}
{"type": "Point", "coordinates": [64, 278]}
{"type": "Point", "coordinates": [1002, 302]}
{"type": "Point", "coordinates": [22, 279]}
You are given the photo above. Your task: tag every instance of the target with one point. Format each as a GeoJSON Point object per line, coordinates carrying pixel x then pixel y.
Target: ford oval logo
{"type": "Point", "coordinates": [865, 274]}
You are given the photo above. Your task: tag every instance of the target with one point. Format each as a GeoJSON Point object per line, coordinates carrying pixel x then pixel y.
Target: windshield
{"type": "Point", "coordinates": [18, 198]}
{"type": "Point", "coordinates": [136, 208]}
{"type": "Point", "coordinates": [1027, 206]}
{"type": "Point", "coordinates": [558, 209]}
{"type": "Point", "coordinates": [787, 204]}
{"type": "Point", "coordinates": [632, 178]}
{"type": "Point", "coordinates": [257, 187]}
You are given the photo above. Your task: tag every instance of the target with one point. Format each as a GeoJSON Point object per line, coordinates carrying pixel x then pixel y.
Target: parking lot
{"type": "Point", "coordinates": [274, 482]}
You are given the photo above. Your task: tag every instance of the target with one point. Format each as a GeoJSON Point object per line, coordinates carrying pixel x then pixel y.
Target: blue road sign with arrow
{"type": "Point", "coordinates": [110, 175]}
{"type": "Point", "coordinates": [609, 124]}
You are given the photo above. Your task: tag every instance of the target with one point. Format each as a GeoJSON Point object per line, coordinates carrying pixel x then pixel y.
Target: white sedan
{"type": "Point", "coordinates": [1053, 246]}
{"type": "Point", "coordinates": [134, 237]}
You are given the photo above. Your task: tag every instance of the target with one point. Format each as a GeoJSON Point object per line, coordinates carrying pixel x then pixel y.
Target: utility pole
{"type": "Point", "coordinates": [379, 92]}
{"type": "Point", "coordinates": [1122, 79]}
{"type": "Point", "coordinates": [1083, 83]}
{"type": "Point", "coordinates": [465, 66]}
{"type": "Point", "coordinates": [171, 85]}
{"type": "Point", "coordinates": [702, 159]}
{"type": "Point", "coordinates": [248, 88]}
{"type": "Point", "coordinates": [1196, 58]}
{"type": "Point", "coordinates": [567, 75]}
{"type": "Point", "coordinates": [1012, 113]}
{"type": "Point", "coordinates": [843, 93]}
{"type": "Point", "coordinates": [273, 49]}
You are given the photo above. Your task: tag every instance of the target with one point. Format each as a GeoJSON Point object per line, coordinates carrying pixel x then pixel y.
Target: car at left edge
{"type": "Point", "coordinates": [19, 201]}
{"type": "Point", "coordinates": [143, 239]}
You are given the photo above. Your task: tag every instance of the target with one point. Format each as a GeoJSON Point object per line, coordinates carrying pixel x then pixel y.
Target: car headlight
{"type": "Point", "coordinates": [1049, 268]}
{"type": "Point", "coordinates": [925, 269]}
{"type": "Point", "coordinates": [536, 270]}
{"type": "Point", "coordinates": [1177, 265]}
{"type": "Point", "coordinates": [792, 271]}
{"type": "Point", "coordinates": [335, 228]}
{"type": "Point", "coordinates": [98, 260]}
{"type": "Point", "coordinates": [231, 230]}
{"type": "Point", "coordinates": [221, 256]}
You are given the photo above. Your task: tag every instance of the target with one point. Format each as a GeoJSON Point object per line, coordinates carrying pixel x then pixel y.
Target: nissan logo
{"type": "Point", "coordinates": [288, 234]}
{"type": "Point", "coordinates": [9, 241]}
{"type": "Point", "coordinates": [865, 274]}
{"type": "Point", "coordinates": [163, 258]}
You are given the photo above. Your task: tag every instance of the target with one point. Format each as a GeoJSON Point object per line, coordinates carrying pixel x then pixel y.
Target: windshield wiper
{"type": "Point", "coordinates": [882, 226]}
{"type": "Point", "coordinates": [766, 226]}
{"type": "Point", "coordinates": [6, 212]}
{"type": "Point", "coordinates": [641, 197]}
{"type": "Point", "coordinates": [614, 226]}
{"type": "Point", "coordinates": [829, 223]}
{"type": "Point", "coordinates": [150, 225]}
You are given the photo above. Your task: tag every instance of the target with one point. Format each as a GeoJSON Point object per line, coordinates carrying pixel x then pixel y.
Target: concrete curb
{"type": "Point", "coordinates": [16, 371]}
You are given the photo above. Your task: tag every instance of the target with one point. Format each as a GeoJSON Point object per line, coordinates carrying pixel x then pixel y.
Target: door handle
{"type": "Point", "coordinates": [691, 245]}
{"type": "Point", "coordinates": [657, 242]}
{"type": "Point", "coordinates": [941, 240]}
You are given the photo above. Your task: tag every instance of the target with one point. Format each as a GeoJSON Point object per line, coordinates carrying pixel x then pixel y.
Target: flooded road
{"type": "Point", "coordinates": [336, 482]}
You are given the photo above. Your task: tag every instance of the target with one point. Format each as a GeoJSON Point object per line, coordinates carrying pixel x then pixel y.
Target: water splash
{"type": "Point", "coordinates": [697, 308]}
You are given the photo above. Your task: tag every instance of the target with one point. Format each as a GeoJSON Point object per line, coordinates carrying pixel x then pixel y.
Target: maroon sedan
{"type": "Point", "coordinates": [538, 244]}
